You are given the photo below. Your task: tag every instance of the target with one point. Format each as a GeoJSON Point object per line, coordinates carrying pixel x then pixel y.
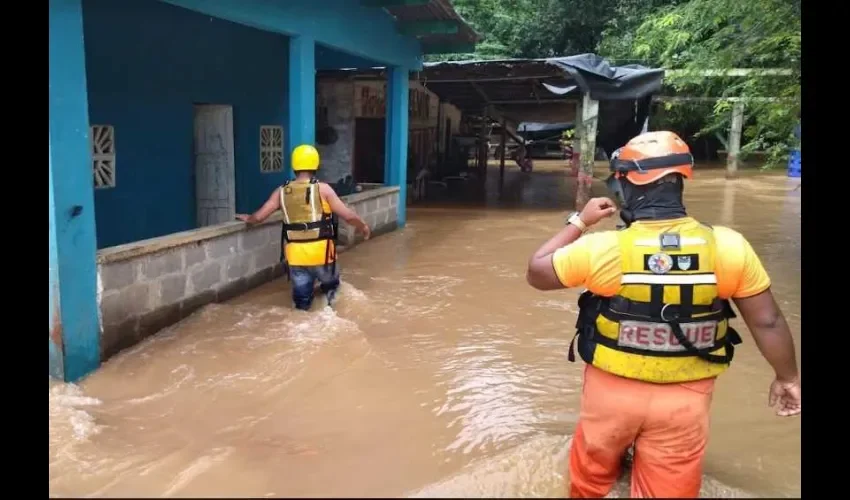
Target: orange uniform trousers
{"type": "Point", "coordinates": [667, 423]}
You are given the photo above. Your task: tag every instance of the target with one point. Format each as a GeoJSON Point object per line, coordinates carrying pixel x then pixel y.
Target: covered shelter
{"type": "Point", "coordinates": [168, 117]}
{"type": "Point", "coordinates": [552, 90]}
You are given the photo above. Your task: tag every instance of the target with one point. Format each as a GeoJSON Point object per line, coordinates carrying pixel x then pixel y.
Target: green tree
{"type": "Point", "coordinates": [719, 34]}
{"type": "Point", "coordinates": [533, 28]}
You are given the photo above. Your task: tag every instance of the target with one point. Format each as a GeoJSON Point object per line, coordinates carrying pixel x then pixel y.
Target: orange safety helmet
{"type": "Point", "coordinates": [652, 155]}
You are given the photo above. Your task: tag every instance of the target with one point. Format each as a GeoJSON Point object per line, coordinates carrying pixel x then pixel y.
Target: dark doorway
{"type": "Point", "coordinates": [369, 138]}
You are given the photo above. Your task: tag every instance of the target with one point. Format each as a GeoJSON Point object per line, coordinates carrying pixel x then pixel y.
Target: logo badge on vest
{"type": "Point", "coordinates": [660, 263]}
{"type": "Point", "coordinates": [684, 262]}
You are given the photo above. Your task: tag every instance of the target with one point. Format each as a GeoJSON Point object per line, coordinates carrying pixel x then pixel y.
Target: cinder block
{"type": "Point", "coordinates": [251, 239]}
{"type": "Point", "coordinates": [205, 278]}
{"type": "Point", "coordinates": [267, 256]}
{"type": "Point", "coordinates": [118, 337]}
{"type": "Point", "coordinates": [161, 264]}
{"type": "Point", "coordinates": [172, 289]}
{"type": "Point", "coordinates": [194, 254]}
{"type": "Point", "coordinates": [359, 207]}
{"type": "Point", "coordinates": [119, 306]}
{"type": "Point", "coordinates": [237, 266]}
{"type": "Point", "coordinates": [117, 275]}
{"type": "Point", "coordinates": [371, 220]}
{"type": "Point", "coordinates": [221, 247]}
{"type": "Point", "coordinates": [193, 303]}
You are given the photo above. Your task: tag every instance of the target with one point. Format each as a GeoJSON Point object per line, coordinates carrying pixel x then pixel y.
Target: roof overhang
{"type": "Point", "coordinates": [435, 23]}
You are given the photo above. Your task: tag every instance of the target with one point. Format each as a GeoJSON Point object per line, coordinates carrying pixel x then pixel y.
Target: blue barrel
{"type": "Point", "coordinates": [795, 164]}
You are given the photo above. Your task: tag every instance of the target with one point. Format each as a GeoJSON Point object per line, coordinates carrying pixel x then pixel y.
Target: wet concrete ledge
{"type": "Point", "coordinates": [148, 285]}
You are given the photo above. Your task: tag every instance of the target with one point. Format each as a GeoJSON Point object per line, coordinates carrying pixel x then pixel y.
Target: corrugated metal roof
{"type": "Point", "coordinates": [472, 85]}
{"type": "Point", "coordinates": [436, 10]}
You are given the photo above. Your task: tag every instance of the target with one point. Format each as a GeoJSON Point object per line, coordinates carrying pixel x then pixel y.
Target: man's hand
{"type": "Point", "coordinates": [787, 394]}
{"type": "Point", "coordinates": [596, 210]}
{"type": "Point", "coordinates": [269, 207]}
{"type": "Point", "coordinates": [367, 232]}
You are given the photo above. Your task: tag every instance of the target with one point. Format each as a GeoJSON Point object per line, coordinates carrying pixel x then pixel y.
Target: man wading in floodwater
{"type": "Point", "coordinates": [653, 324]}
{"type": "Point", "coordinates": [309, 230]}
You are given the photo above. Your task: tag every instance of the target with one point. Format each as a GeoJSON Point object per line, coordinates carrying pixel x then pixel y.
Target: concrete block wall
{"type": "Point", "coordinates": [148, 285]}
{"type": "Point", "coordinates": [141, 295]}
{"type": "Point", "coordinates": [378, 207]}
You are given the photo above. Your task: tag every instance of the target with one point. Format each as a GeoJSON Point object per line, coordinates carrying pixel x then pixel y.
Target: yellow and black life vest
{"type": "Point", "coordinates": [666, 323]}
{"type": "Point", "coordinates": [304, 218]}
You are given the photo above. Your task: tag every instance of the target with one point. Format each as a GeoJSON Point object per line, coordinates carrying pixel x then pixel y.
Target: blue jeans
{"type": "Point", "coordinates": [304, 277]}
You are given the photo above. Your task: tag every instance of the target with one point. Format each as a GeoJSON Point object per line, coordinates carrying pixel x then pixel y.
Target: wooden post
{"type": "Point", "coordinates": [575, 161]}
{"type": "Point", "coordinates": [482, 148]}
{"type": "Point", "coordinates": [502, 155]}
{"type": "Point", "coordinates": [589, 115]}
{"type": "Point", "coordinates": [735, 139]}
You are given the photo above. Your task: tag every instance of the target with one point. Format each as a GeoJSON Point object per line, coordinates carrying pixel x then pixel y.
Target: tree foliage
{"type": "Point", "coordinates": [533, 28]}
{"type": "Point", "coordinates": [673, 34]}
{"type": "Point", "coordinates": [720, 34]}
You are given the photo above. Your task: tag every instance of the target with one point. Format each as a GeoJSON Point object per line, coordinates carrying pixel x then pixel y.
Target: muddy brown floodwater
{"type": "Point", "coordinates": [440, 373]}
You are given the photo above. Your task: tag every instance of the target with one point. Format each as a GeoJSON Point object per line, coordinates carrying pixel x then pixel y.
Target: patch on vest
{"type": "Point", "coordinates": [684, 262]}
{"type": "Point", "coordinates": [660, 263]}
{"type": "Point", "coordinates": [659, 337]}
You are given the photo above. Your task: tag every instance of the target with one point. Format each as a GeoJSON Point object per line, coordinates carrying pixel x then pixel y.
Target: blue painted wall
{"type": "Point", "coordinates": [346, 25]}
{"type": "Point", "coordinates": [147, 63]}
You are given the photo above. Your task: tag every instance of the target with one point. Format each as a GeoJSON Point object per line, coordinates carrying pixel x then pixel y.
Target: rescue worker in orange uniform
{"type": "Point", "coordinates": [309, 228]}
{"type": "Point", "coordinates": [653, 325]}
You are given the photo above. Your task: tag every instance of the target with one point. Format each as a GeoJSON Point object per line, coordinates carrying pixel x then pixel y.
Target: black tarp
{"type": "Point", "coordinates": [633, 83]}
{"type": "Point", "coordinates": [604, 82]}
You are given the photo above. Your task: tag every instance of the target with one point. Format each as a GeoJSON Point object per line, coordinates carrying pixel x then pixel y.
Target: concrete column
{"type": "Point", "coordinates": [395, 158]}
{"type": "Point", "coordinates": [589, 115]}
{"type": "Point", "coordinates": [302, 95]}
{"type": "Point", "coordinates": [74, 313]}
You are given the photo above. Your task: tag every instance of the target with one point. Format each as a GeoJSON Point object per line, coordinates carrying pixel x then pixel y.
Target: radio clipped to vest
{"type": "Point", "coordinates": [666, 324]}
{"type": "Point", "coordinates": [304, 218]}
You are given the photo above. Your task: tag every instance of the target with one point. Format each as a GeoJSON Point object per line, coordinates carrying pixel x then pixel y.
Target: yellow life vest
{"type": "Point", "coordinates": [666, 323]}
{"type": "Point", "coordinates": [304, 217]}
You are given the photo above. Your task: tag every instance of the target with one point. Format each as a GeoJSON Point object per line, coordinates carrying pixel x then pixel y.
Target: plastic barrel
{"type": "Point", "coordinates": [795, 164]}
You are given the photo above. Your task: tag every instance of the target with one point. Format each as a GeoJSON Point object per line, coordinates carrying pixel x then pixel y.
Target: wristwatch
{"type": "Point", "coordinates": [576, 221]}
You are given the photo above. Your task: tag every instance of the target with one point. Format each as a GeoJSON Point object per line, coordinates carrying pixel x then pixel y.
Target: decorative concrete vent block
{"type": "Point", "coordinates": [102, 139]}
{"type": "Point", "coordinates": [271, 148]}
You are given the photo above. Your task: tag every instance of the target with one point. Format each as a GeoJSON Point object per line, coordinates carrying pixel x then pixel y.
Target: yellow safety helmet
{"type": "Point", "coordinates": [305, 157]}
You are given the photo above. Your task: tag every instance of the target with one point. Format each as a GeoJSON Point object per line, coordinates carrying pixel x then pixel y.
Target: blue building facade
{"type": "Point", "coordinates": [130, 74]}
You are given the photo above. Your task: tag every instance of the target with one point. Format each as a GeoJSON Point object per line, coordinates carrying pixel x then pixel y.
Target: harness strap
{"type": "Point", "coordinates": [307, 226]}
{"type": "Point", "coordinates": [627, 307]}
{"type": "Point", "coordinates": [591, 306]}
{"type": "Point", "coordinates": [730, 341]}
